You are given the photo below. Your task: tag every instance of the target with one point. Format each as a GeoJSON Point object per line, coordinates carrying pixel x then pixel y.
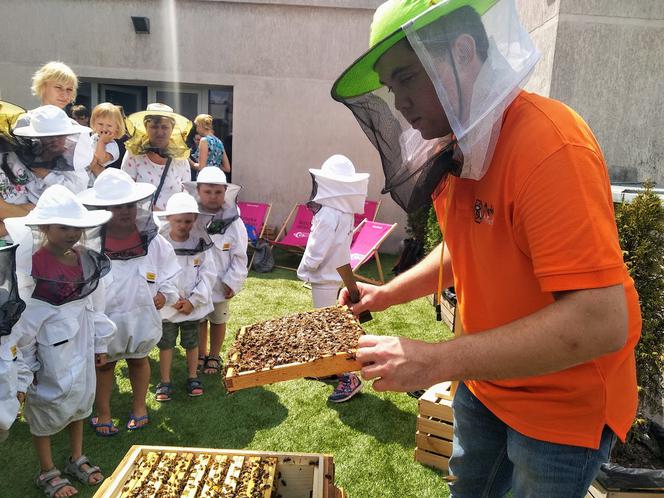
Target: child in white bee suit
{"type": "Point", "coordinates": [338, 193]}
{"type": "Point", "coordinates": [184, 228]}
{"type": "Point", "coordinates": [217, 197]}
{"type": "Point", "coordinates": [11, 307]}
{"type": "Point", "coordinates": [54, 150]}
{"type": "Point", "coordinates": [64, 332]}
{"type": "Point", "coordinates": [140, 283]}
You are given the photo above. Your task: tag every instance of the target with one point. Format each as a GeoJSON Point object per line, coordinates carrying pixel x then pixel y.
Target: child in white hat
{"type": "Point", "coordinates": [55, 151]}
{"type": "Point", "coordinates": [64, 332]}
{"type": "Point", "coordinates": [192, 246]}
{"type": "Point", "coordinates": [141, 282]}
{"type": "Point", "coordinates": [11, 307]}
{"type": "Point", "coordinates": [338, 193]}
{"type": "Point", "coordinates": [217, 197]}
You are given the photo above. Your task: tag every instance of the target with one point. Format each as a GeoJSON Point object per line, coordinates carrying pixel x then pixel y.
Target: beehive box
{"type": "Point", "coordinates": [598, 491]}
{"type": "Point", "coordinates": [202, 473]}
{"type": "Point", "coordinates": [312, 344]}
{"type": "Point", "coordinates": [433, 438]}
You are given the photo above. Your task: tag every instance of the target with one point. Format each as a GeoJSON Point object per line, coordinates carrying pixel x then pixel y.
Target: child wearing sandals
{"type": "Point", "coordinates": [185, 230]}
{"type": "Point", "coordinates": [217, 198]}
{"type": "Point", "coordinates": [140, 283]}
{"type": "Point", "coordinates": [64, 332]}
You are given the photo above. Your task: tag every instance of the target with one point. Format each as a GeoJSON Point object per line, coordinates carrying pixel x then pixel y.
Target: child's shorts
{"type": "Point", "coordinates": [221, 313]}
{"type": "Point", "coordinates": [188, 335]}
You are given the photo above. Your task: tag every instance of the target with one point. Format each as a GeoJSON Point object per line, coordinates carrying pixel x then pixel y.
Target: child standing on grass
{"type": "Point", "coordinates": [338, 193]}
{"type": "Point", "coordinates": [11, 307]}
{"type": "Point", "coordinates": [217, 197]}
{"type": "Point", "coordinates": [194, 283]}
{"type": "Point", "coordinates": [108, 125]}
{"type": "Point", "coordinates": [64, 332]}
{"type": "Point", "coordinates": [141, 282]}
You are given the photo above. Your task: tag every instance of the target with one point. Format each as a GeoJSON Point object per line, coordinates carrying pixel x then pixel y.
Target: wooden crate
{"type": "Point", "coordinates": [298, 475]}
{"type": "Point", "coordinates": [336, 364]}
{"type": "Point", "coordinates": [433, 439]}
{"type": "Point", "coordinates": [598, 491]}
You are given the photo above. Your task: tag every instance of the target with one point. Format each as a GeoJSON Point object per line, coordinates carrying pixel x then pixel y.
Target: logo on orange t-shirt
{"type": "Point", "coordinates": [483, 212]}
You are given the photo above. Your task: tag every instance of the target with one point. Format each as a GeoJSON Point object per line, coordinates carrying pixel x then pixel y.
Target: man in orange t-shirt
{"type": "Point", "coordinates": [550, 313]}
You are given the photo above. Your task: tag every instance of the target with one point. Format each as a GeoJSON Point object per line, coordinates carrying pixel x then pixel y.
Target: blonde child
{"type": "Point", "coordinates": [64, 332]}
{"type": "Point", "coordinates": [217, 197]}
{"type": "Point", "coordinates": [108, 125]}
{"type": "Point", "coordinates": [338, 194]}
{"type": "Point", "coordinates": [141, 282]}
{"type": "Point", "coordinates": [187, 234]}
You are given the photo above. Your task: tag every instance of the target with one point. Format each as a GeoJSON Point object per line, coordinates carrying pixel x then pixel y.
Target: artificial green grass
{"type": "Point", "coordinates": [372, 437]}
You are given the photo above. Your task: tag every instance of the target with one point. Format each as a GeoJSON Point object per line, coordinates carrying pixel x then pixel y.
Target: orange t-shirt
{"type": "Point", "coordinates": [541, 220]}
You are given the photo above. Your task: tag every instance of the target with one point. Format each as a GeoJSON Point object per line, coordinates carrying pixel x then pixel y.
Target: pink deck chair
{"type": "Point", "coordinates": [254, 214]}
{"type": "Point", "coordinates": [294, 238]}
{"type": "Point", "coordinates": [369, 235]}
{"type": "Point", "coordinates": [370, 212]}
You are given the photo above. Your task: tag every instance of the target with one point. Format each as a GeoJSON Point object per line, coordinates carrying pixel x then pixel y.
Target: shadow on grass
{"type": "Point", "coordinates": [377, 417]}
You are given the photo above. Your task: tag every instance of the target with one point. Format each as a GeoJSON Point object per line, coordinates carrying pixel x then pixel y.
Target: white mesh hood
{"type": "Point", "coordinates": [347, 197]}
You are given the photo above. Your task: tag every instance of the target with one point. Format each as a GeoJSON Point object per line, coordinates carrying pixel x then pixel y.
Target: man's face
{"type": "Point", "coordinates": [211, 196]}
{"type": "Point", "coordinates": [159, 132]}
{"type": "Point", "coordinates": [181, 225]}
{"type": "Point", "coordinates": [401, 71]}
{"type": "Point", "coordinates": [57, 93]}
{"type": "Point", "coordinates": [82, 120]}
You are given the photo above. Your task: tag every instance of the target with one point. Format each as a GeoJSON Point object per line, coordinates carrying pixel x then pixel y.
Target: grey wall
{"type": "Point", "coordinates": [609, 66]}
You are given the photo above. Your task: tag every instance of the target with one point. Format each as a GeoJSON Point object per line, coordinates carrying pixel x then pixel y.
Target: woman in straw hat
{"type": "Point", "coordinates": [141, 282]}
{"type": "Point", "coordinates": [64, 333]}
{"type": "Point", "coordinates": [157, 152]}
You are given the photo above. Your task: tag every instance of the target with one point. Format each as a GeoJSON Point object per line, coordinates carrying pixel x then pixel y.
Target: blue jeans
{"type": "Point", "coordinates": [490, 458]}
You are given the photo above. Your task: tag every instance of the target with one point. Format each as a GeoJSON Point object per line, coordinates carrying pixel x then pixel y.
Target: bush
{"type": "Point", "coordinates": [417, 223]}
{"type": "Point", "coordinates": [433, 236]}
{"type": "Point", "coordinates": [641, 230]}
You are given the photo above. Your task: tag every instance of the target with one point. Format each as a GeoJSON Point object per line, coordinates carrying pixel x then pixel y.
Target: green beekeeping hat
{"type": "Point", "coordinates": [386, 31]}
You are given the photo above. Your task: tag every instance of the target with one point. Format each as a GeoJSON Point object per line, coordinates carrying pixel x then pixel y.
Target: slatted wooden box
{"type": "Point", "coordinates": [598, 491]}
{"type": "Point", "coordinates": [296, 475]}
{"type": "Point", "coordinates": [433, 439]}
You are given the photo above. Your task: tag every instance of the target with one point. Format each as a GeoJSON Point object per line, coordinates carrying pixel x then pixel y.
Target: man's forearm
{"type": "Point", "coordinates": [421, 280]}
{"type": "Point", "coordinates": [581, 326]}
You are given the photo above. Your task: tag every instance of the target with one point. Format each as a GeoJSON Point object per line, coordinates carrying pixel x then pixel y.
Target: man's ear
{"type": "Point", "coordinates": [463, 49]}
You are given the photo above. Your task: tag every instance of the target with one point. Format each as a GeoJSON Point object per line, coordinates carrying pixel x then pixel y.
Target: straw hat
{"type": "Point", "coordinates": [113, 187]}
{"type": "Point", "coordinates": [339, 168]}
{"type": "Point", "coordinates": [59, 206]}
{"type": "Point", "coordinates": [137, 119]}
{"type": "Point", "coordinates": [49, 121]}
{"type": "Point", "coordinates": [180, 203]}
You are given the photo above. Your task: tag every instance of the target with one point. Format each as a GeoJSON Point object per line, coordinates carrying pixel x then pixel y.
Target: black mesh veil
{"type": "Point", "coordinates": [11, 305]}
{"type": "Point", "coordinates": [408, 179]}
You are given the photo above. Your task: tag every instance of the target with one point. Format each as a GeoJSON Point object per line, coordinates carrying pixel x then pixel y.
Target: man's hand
{"type": "Point", "coordinates": [228, 292]}
{"type": "Point", "coordinates": [159, 300]}
{"type": "Point", "coordinates": [184, 306]}
{"type": "Point", "coordinates": [100, 359]}
{"type": "Point", "coordinates": [398, 363]}
{"type": "Point", "coordinates": [372, 298]}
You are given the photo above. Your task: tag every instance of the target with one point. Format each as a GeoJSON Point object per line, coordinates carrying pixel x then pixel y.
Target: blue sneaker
{"type": "Point", "coordinates": [349, 385]}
